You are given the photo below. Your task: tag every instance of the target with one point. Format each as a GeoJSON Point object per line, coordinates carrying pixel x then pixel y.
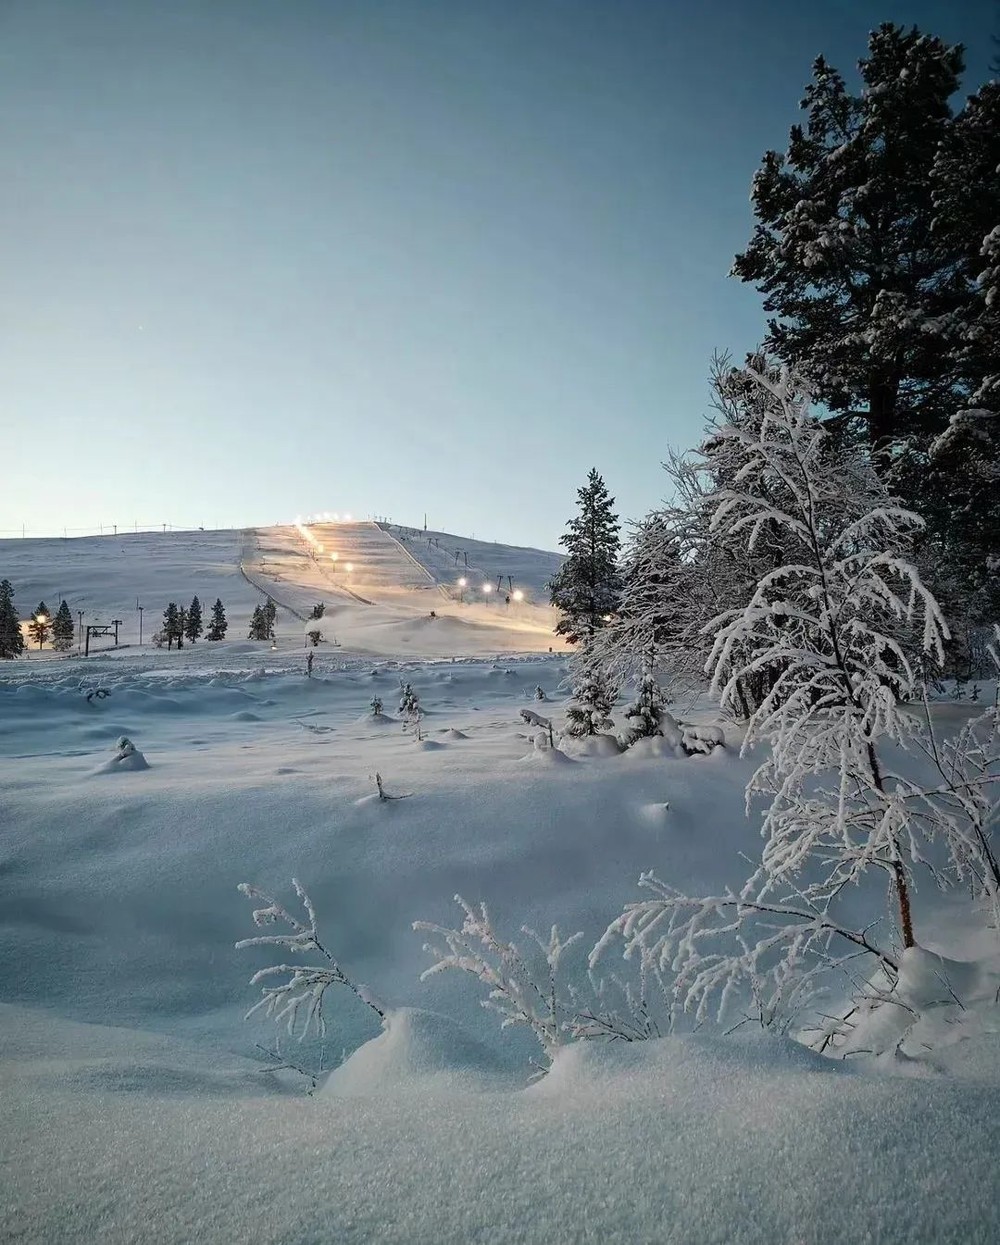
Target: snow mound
{"type": "Point", "coordinates": [452, 733]}
{"type": "Point", "coordinates": [592, 746]}
{"type": "Point", "coordinates": [127, 757]}
{"type": "Point", "coordinates": [418, 1050]}
{"type": "Point", "coordinates": [655, 814]}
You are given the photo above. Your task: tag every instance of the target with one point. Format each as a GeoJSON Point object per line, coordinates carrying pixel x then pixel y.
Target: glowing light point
{"type": "Point", "coordinates": [518, 595]}
{"type": "Point", "coordinates": [463, 582]}
{"type": "Point", "coordinates": [333, 557]}
{"type": "Point", "coordinates": [487, 589]}
{"type": "Point", "coordinates": [349, 567]}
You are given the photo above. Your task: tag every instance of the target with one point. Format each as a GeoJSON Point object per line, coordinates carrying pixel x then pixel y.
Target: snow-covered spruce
{"type": "Point", "coordinates": [590, 712]}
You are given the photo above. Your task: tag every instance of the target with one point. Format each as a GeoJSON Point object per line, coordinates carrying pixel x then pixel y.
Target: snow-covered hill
{"type": "Point", "coordinates": [379, 594]}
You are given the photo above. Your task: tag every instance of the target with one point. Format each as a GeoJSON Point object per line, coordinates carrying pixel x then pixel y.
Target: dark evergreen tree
{"type": "Point", "coordinates": [40, 625]}
{"type": "Point", "coordinates": [218, 626]}
{"type": "Point", "coordinates": [11, 638]}
{"type": "Point", "coordinates": [845, 249]}
{"type": "Point", "coordinates": [63, 629]}
{"type": "Point", "coordinates": [960, 481]}
{"type": "Point", "coordinates": [171, 624]}
{"type": "Point", "coordinates": [270, 613]}
{"type": "Point", "coordinates": [586, 587]}
{"type": "Point", "coordinates": [590, 712]}
{"type": "Point", "coordinates": [193, 625]}
{"type": "Point", "coordinates": [259, 629]}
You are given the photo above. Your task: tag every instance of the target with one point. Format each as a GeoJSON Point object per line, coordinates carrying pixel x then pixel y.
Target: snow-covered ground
{"type": "Point", "coordinates": [134, 1104]}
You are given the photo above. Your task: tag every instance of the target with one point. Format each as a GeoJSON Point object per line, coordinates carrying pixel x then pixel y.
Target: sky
{"type": "Point", "coordinates": [263, 259]}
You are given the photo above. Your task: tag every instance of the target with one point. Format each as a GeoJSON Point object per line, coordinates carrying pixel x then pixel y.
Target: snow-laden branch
{"type": "Point", "coordinates": [298, 1001]}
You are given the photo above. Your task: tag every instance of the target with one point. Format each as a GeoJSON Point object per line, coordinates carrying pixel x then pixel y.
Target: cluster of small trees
{"type": "Point", "coordinates": [262, 621]}
{"type": "Point", "coordinates": [181, 624]}
{"type": "Point", "coordinates": [43, 626]}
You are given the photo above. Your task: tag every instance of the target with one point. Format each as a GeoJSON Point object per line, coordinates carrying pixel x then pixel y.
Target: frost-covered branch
{"type": "Point", "coordinates": [711, 946]}
{"type": "Point", "coordinates": [299, 1000]}
{"type": "Point", "coordinates": [544, 1007]}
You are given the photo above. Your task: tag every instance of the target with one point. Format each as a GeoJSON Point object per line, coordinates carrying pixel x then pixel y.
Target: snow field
{"type": "Point", "coordinates": [136, 1107]}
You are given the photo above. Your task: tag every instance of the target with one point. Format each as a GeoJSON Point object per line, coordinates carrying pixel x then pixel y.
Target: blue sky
{"type": "Point", "coordinates": [259, 259]}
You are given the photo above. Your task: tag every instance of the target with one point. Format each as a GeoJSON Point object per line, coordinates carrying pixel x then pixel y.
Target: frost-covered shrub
{"type": "Point", "coordinates": [544, 1005]}
{"type": "Point", "coordinates": [298, 1001]}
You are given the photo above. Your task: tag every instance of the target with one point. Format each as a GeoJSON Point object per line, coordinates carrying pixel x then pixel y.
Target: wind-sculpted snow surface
{"type": "Point", "coordinates": [742, 1140]}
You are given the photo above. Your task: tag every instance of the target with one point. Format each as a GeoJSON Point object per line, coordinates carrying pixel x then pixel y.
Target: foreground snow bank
{"type": "Point", "coordinates": [745, 1139]}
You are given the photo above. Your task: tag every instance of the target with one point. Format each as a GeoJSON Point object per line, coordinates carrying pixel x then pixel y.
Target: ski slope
{"type": "Point", "coordinates": [379, 596]}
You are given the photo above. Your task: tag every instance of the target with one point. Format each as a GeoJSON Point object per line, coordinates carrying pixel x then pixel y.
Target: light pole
{"type": "Point", "coordinates": [462, 584]}
{"type": "Point", "coordinates": [41, 620]}
{"type": "Point", "coordinates": [487, 589]}
{"type": "Point", "coordinates": [140, 608]}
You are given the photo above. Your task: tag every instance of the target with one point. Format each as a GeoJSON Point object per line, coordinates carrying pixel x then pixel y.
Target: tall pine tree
{"type": "Point", "coordinates": [63, 630]}
{"type": "Point", "coordinates": [218, 626]}
{"type": "Point", "coordinates": [586, 587]}
{"type": "Point", "coordinates": [11, 638]}
{"type": "Point", "coordinates": [259, 627]}
{"type": "Point", "coordinates": [40, 625]}
{"type": "Point", "coordinates": [171, 624]}
{"type": "Point", "coordinates": [193, 626]}
{"type": "Point", "coordinates": [845, 250]}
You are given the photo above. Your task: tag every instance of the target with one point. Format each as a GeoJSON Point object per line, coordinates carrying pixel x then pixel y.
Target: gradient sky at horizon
{"type": "Point", "coordinates": [260, 259]}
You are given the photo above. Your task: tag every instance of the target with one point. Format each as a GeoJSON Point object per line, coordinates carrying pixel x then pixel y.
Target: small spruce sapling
{"type": "Point", "coordinates": [259, 629]}
{"type": "Point", "coordinates": [644, 716]}
{"type": "Point", "coordinates": [376, 706]}
{"type": "Point", "coordinates": [590, 712]}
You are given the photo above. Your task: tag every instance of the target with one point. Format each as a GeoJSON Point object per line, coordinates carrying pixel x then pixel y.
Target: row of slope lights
{"type": "Point", "coordinates": [487, 589]}
{"type": "Point", "coordinates": [310, 538]}
{"type": "Point", "coordinates": [326, 516]}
